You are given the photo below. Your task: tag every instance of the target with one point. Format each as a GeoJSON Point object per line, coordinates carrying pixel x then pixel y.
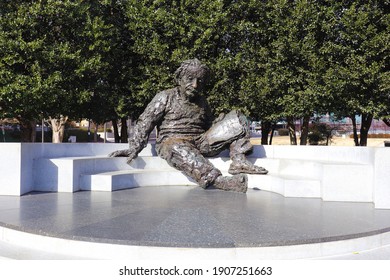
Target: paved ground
{"type": "Point", "coordinates": [191, 217]}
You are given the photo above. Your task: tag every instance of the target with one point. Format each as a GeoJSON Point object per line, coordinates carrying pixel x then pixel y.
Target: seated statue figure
{"type": "Point", "coordinates": [187, 133]}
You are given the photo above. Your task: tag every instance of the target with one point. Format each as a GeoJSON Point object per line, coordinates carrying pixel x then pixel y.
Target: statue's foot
{"type": "Point", "coordinates": [236, 183]}
{"type": "Point", "coordinates": [120, 153]}
{"type": "Point", "coordinates": [246, 167]}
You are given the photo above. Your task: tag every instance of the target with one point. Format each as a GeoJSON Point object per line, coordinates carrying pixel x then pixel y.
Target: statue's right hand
{"type": "Point", "coordinates": [120, 153]}
{"type": "Point", "coordinates": [124, 153]}
{"type": "Point", "coordinates": [130, 159]}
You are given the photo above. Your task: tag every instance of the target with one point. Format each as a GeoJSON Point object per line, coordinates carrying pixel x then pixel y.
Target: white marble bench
{"type": "Point", "coordinates": [359, 174]}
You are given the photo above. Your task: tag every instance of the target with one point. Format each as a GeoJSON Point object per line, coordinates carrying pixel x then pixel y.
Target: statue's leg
{"type": "Point", "coordinates": [184, 156]}
{"type": "Point", "coordinates": [222, 133]}
{"type": "Point", "coordinates": [231, 132]}
{"type": "Point", "coordinates": [240, 164]}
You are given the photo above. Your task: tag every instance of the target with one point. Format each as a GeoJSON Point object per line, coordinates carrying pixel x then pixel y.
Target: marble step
{"type": "Point", "coordinates": [287, 186]}
{"type": "Point", "coordinates": [125, 179]}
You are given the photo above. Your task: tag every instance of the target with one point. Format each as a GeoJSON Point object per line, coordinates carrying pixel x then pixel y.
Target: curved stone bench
{"type": "Point", "coordinates": [358, 174]}
{"type": "Point", "coordinates": [288, 177]}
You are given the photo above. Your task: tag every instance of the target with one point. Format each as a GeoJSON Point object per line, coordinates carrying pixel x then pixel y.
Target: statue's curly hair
{"type": "Point", "coordinates": [183, 69]}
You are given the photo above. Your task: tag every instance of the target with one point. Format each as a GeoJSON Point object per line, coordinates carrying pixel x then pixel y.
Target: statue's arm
{"type": "Point", "coordinates": [152, 115]}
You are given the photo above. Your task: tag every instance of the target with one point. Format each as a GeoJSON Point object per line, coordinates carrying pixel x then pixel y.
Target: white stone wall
{"type": "Point", "coordinates": [360, 174]}
{"type": "Point", "coordinates": [10, 169]}
{"type": "Point", "coordinates": [382, 178]}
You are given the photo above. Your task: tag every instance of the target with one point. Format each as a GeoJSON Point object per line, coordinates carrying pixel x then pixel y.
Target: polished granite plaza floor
{"type": "Point", "coordinates": [182, 216]}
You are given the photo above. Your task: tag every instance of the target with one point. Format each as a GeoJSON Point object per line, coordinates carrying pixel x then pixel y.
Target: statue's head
{"type": "Point", "coordinates": [192, 76]}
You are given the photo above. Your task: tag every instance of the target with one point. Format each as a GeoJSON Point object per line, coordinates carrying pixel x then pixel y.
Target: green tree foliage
{"type": "Point", "coordinates": [113, 92]}
{"type": "Point", "coordinates": [358, 54]}
{"type": "Point", "coordinates": [297, 64]}
{"type": "Point", "coordinates": [62, 58]}
{"type": "Point", "coordinates": [166, 33]}
{"type": "Point", "coordinates": [276, 63]}
{"type": "Point", "coordinates": [41, 67]}
{"type": "Point", "coordinates": [304, 57]}
{"type": "Point", "coordinates": [274, 60]}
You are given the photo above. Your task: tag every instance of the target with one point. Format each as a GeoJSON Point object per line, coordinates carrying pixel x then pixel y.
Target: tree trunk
{"type": "Point", "coordinates": [328, 137]}
{"type": "Point", "coordinates": [265, 130]}
{"type": "Point", "coordinates": [355, 135]}
{"type": "Point", "coordinates": [272, 134]}
{"type": "Point", "coordinates": [58, 128]}
{"type": "Point", "coordinates": [95, 132]}
{"type": "Point", "coordinates": [27, 127]}
{"type": "Point", "coordinates": [291, 131]}
{"type": "Point", "coordinates": [365, 127]}
{"type": "Point", "coordinates": [304, 130]}
{"type": "Point", "coordinates": [116, 131]}
{"type": "Point", "coordinates": [124, 136]}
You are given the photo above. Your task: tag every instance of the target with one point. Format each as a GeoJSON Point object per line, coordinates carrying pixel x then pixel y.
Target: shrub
{"type": "Point", "coordinates": [320, 134]}
{"type": "Point", "coordinates": [283, 132]}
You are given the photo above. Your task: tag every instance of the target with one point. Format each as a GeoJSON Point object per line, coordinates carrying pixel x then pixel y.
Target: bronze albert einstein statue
{"type": "Point", "coordinates": [187, 132]}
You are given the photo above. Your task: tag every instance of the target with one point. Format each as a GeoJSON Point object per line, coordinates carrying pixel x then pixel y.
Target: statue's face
{"type": "Point", "coordinates": [193, 81]}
